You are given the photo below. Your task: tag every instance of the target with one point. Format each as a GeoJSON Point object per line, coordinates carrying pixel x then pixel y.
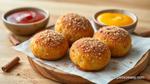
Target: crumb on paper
{"type": "Point", "coordinates": [114, 62]}
{"type": "Point", "coordinates": [65, 64]}
{"type": "Point", "coordinates": [18, 74]}
{"type": "Point", "coordinates": [57, 65]}
{"type": "Point", "coordinates": [130, 62]}
{"type": "Point", "coordinates": [114, 68]}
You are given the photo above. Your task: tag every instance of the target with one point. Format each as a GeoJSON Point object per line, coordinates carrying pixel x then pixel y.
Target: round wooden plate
{"type": "Point", "coordinates": [62, 77]}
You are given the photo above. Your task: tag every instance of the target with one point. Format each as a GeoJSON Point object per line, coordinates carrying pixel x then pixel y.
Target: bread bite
{"type": "Point", "coordinates": [49, 45]}
{"type": "Point", "coordinates": [74, 27]}
{"type": "Point", "coordinates": [89, 54]}
{"type": "Point", "coordinates": [117, 39]}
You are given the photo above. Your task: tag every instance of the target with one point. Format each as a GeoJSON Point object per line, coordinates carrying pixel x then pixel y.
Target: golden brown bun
{"type": "Point", "coordinates": [74, 27]}
{"type": "Point", "coordinates": [49, 45]}
{"type": "Point", "coordinates": [118, 40]}
{"type": "Point", "coordinates": [89, 54]}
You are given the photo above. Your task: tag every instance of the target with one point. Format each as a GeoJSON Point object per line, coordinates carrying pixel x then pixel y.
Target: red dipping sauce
{"type": "Point", "coordinates": [25, 16]}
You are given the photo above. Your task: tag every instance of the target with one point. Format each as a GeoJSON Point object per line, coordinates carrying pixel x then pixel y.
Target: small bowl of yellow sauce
{"type": "Point", "coordinates": [116, 17]}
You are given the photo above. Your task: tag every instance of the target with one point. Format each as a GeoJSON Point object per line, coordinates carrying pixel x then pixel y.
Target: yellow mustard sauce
{"type": "Point", "coordinates": [115, 19]}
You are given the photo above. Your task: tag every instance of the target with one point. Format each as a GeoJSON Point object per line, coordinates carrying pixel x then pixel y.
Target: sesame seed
{"type": "Point", "coordinates": [75, 21]}
{"type": "Point", "coordinates": [114, 32]}
{"type": "Point", "coordinates": [48, 38]}
{"type": "Point", "coordinates": [90, 45]}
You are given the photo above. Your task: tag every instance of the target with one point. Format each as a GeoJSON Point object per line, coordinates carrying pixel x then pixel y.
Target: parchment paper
{"type": "Point", "coordinates": [116, 67]}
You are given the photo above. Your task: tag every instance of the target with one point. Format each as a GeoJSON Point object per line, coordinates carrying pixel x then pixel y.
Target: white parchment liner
{"type": "Point", "coordinates": [139, 46]}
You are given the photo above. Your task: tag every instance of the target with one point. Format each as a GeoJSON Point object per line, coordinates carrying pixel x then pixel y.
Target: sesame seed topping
{"type": "Point", "coordinates": [74, 21]}
{"type": "Point", "coordinates": [113, 32]}
{"type": "Point", "coordinates": [90, 45]}
{"type": "Point", "coordinates": [48, 38]}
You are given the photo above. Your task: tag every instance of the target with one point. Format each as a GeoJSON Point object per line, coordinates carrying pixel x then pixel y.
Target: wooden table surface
{"type": "Point", "coordinates": [57, 8]}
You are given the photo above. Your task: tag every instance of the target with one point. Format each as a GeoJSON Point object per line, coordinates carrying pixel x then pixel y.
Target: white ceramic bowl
{"type": "Point", "coordinates": [130, 28]}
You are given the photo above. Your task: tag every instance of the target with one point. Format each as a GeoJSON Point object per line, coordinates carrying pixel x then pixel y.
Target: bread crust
{"type": "Point", "coordinates": [89, 54]}
{"type": "Point", "coordinates": [74, 27]}
{"type": "Point", "coordinates": [49, 45]}
{"type": "Point", "coordinates": [118, 40]}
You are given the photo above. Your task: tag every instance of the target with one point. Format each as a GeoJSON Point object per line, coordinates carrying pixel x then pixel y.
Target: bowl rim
{"type": "Point", "coordinates": [126, 12]}
{"type": "Point", "coordinates": [23, 8]}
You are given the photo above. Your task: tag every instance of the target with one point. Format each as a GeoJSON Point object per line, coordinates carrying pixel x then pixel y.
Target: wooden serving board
{"type": "Point", "coordinates": [62, 77]}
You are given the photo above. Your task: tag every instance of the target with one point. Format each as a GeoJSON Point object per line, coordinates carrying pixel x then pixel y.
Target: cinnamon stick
{"type": "Point", "coordinates": [145, 34]}
{"type": "Point", "coordinates": [13, 40]}
{"type": "Point", "coordinates": [11, 64]}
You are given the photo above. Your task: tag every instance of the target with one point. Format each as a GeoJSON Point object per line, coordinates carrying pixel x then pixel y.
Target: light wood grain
{"type": "Point", "coordinates": [57, 8]}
